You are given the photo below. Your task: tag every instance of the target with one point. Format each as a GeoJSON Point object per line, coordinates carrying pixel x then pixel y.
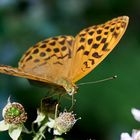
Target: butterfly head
{"type": "Point", "coordinates": [70, 87]}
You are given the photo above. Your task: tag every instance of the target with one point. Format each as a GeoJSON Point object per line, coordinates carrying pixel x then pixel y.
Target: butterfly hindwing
{"type": "Point", "coordinates": [49, 59]}
{"type": "Point", "coordinates": [19, 73]}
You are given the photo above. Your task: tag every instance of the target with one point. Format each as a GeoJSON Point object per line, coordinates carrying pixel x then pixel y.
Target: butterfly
{"type": "Point", "coordinates": [63, 60]}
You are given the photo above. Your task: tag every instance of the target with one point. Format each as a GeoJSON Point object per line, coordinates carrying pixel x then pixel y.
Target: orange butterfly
{"type": "Point", "coordinates": [63, 60]}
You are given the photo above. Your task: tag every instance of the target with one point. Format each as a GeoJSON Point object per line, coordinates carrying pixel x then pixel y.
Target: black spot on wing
{"type": "Point", "coordinates": [29, 58]}
{"type": "Point", "coordinates": [62, 42]}
{"type": "Point", "coordinates": [96, 55]}
{"type": "Point", "coordinates": [86, 64]}
{"type": "Point", "coordinates": [35, 51]}
{"type": "Point", "coordinates": [86, 53]}
{"type": "Point", "coordinates": [43, 46]}
{"type": "Point", "coordinates": [115, 34]}
{"type": "Point", "coordinates": [103, 40]}
{"type": "Point", "coordinates": [52, 43]}
{"type": "Point", "coordinates": [107, 27]}
{"type": "Point", "coordinates": [42, 54]}
{"type": "Point", "coordinates": [98, 38]}
{"type": "Point", "coordinates": [82, 34]}
{"type": "Point", "coordinates": [91, 32]}
{"type": "Point", "coordinates": [105, 47]}
{"type": "Point", "coordinates": [92, 61]}
{"type": "Point", "coordinates": [63, 48]}
{"type": "Point", "coordinates": [56, 50]}
{"type": "Point", "coordinates": [80, 48]}
{"type": "Point", "coordinates": [105, 33]}
{"type": "Point", "coordinates": [95, 46]}
{"type": "Point", "coordinates": [55, 38]}
{"type": "Point", "coordinates": [99, 31]}
{"type": "Point", "coordinates": [48, 50]}
{"type": "Point", "coordinates": [82, 39]}
{"type": "Point", "coordinates": [90, 41]}
{"type": "Point", "coordinates": [112, 29]}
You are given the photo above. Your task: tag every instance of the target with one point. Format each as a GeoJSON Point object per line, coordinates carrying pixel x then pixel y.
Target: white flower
{"type": "Point", "coordinates": [14, 116]}
{"type": "Point", "coordinates": [136, 114]}
{"type": "Point", "coordinates": [135, 135]}
{"type": "Point", "coordinates": [40, 117]}
{"type": "Point", "coordinates": [63, 123]}
{"type": "Point", "coordinates": [51, 123]}
{"type": "Point", "coordinates": [126, 136]}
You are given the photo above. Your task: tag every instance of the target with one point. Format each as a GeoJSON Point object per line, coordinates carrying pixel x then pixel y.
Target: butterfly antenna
{"type": "Point", "coordinates": [98, 81]}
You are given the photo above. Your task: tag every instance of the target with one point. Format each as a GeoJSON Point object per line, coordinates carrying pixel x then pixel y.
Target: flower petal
{"type": "Point", "coordinates": [51, 123]}
{"type": "Point", "coordinates": [15, 132]}
{"type": "Point", "coordinates": [136, 134]}
{"type": "Point", "coordinates": [56, 132]}
{"type": "Point", "coordinates": [126, 136]}
{"type": "Point", "coordinates": [3, 126]}
{"type": "Point", "coordinates": [40, 117]}
{"type": "Point", "coordinates": [136, 114]}
{"type": "Point", "coordinates": [25, 130]}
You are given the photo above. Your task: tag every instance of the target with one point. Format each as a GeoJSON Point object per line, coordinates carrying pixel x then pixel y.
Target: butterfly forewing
{"type": "Point", "coordinates": [93, 44]}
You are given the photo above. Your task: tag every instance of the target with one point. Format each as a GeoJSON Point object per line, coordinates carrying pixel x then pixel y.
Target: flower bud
{"type": "Point", "coordinates": [14, 113]}
{"type": "Point", "coordinates": [65, 121]}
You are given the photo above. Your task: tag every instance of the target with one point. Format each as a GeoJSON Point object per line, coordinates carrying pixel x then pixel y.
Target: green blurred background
{"type": "Point", "coordinates": [104, 107]}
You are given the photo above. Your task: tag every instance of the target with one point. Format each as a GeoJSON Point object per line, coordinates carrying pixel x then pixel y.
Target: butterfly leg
{"type": "Point", "coordinates": [56, 111]}
{"type": "Point", "coordinates": [73, 101]}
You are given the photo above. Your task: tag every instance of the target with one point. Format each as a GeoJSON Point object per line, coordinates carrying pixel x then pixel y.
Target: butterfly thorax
{"type": "Point", "coordinates": [70, 87]}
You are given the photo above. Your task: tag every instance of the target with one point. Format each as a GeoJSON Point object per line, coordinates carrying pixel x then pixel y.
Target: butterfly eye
{"type": "Point", "coordinates": [71, 91]}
